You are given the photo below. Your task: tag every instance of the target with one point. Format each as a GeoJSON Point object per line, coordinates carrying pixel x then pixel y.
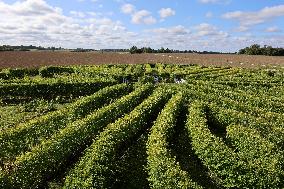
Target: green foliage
{"type": "Point", "coordinates": [17, 73]}
{"type": "Point", "coordinates": [164, 170]}
{"type": "Point", "coordinates": [235, 169]}
{"type": "Point", "coordinates": [6, 48]}
{"type": "Point", "coordinates": [50, 71]}
{"type": "Point", "coordinates": [131, 166]}
{"type": "Point", "coordinates": [4, 180]}
{"type": "Point", "coordinates": [32, 168]}
{"type": "Point", "coordinates": [212, 151]}
{"type": "Point", "coordinates": [255, 49]}
{"type": "Point", "coordinates": [11, 116]}
{"type": "Point", "coordinates": [233, 136]}
{"type": "Point", "coordinates": [40, 106]}
{"type": "Point", "coordinates": [16, 140]}
{"type": "Point", "coordinates": [49, 90]}
{"type": "Point", "coordinates": [134, 50]}
{"type": "Point", "coordinates": [262, 156]}
{"type": "Point", "coordinates": [96, 168]}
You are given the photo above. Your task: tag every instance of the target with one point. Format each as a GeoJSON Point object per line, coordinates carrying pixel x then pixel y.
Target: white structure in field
{"type": "Point", "coordinates": [178, 81]}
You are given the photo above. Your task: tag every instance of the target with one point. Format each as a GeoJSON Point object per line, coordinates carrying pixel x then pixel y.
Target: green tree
{"type": "Point", "coordinates": [162, 50]}
{"type": "Point", "coordinates": [254, 50]}
{"type": "Point", "coordinates": [133, 50]}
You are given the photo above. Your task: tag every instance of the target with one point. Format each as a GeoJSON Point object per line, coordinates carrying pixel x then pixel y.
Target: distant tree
{"type": "Point", "coordinates": [242, 51]}
{"type": "Point", "coordinates": [133, 50]}
{"type": "Point", "coordinates": [139, 51]}
{"type": "Point", "coordinates": [149, 50]}
{"type": "Point", "coordinates": [265, 50]}
{"type": "Point", "coordinates": [255, 49]}
{"type": "Point", "coordinates": [162, 50]}
{"type": "Point", "coordinates": [168, 50]}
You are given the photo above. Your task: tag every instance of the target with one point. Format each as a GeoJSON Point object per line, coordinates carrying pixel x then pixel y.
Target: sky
{"type": "Point", "coordinates": [211, 25]}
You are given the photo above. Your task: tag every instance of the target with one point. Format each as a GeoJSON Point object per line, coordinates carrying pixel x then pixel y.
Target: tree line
{"type": "Point", "coordinates": [254, 49]}
{"type": "Point", "coordinates": [26, 48]}
{"type": "Point", "coordinates": [136, 50]}
{"type": "Point", "coordinates": [265, 50]}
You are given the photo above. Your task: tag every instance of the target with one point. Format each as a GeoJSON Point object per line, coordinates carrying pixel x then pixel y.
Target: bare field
{"type": "Point", "coordinates": [38, 59]}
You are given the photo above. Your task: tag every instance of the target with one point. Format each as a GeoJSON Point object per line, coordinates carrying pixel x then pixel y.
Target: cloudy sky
{"type": "Point", "coordinates": [217, 25]}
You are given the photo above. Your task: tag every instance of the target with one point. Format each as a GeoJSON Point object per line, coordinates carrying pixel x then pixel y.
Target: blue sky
{"type": "Point", "coordinates": [217, 25]}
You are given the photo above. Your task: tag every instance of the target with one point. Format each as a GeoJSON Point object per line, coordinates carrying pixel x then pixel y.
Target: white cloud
{"type": "Point", "coordinates": [92, 13]}
{"type": "Point", "coordinates": [191, 41]}
{"type": "Point", "coordinates": [201, 37]}
{"type": "Point", "coordinates": [208, 1]}
{"type": "Point", "coordinates": [128, 9]}
{"type": "Point", "coordinates": [272, 29]}
{"type": "Point", "coordinates": [28, 7]}
{"type": "Point", "coordinates": [149, 20]}
{"type": "Point", "coordinates": [170, 37]}
{"type": "Point", "coordinates": [77, 14]}
{"type": "Point", "coordinates": [36, 22]}
{"type": "Point", "coordinates": [214, 1]}
{"type": "Point", "coordinates": [166, 12]}
{"type": "Point", "coordinates": [242, 29]}
{"type": "Point", "coordinates": [143, 17]}
{"type": "Point", "coordinates": [175, 30]}
{"type": "Point", "coordinates": [249, 19]}
{"type": "Point", "coordinates": [138, 17]}
{"type": "Point", "coordinates": [205, 29]}
{"type": "Point", "coordinates": [209, 15]}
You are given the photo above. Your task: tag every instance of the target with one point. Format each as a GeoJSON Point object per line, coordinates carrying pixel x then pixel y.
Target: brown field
{"type": "Point", "coordinates": [38, 59]}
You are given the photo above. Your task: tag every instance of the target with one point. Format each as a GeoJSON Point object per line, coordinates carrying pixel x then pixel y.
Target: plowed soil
{"type": "Point", "coordinates": [38, 59]}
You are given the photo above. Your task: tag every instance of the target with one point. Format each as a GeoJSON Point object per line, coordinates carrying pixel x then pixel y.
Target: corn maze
{"type": "Point", "coordinates": [141, 126]}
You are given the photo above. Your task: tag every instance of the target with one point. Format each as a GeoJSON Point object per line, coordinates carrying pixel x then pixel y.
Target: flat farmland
{"type": "Point", "coordinates": [38, 59]}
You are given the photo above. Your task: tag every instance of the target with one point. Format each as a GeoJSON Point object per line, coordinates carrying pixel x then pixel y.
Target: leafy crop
{"type": "Point", "coordinates": [141, 126]}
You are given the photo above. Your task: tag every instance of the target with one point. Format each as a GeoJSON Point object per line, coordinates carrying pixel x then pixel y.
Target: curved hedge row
{"type": "Point", "coordinates": [23, 137]}
{"type": "Point", "coordinates": [31, 169]}
{"type": "Point", "coordinates": [234, 140]}
{"type": "Point", "coordinates": [219, 158]}
{"type": "Point", "coordinates": [17, 73]}
{"type": "Point", "coordinates": [225, 102]}
{"type": "Point", "coordinates": [210, 92]}
{"type": "Point", "coordinates": [50, 71]}
{"type": "Point", "coordinates": [49, 90]}
{"type": "Point", "coordinates": [96, 168]}
{"type": "Point", "coordinates": [262, 156]}
{"type": "Point", "coordinates": [269, 126]}
{"type": "Point", "coordinates": [247, 92]}
{"type": "Point", "coordinates": [253, 100]}
{"type": "Point", "coordinates": [163, 169]}
{"type": "Point", "coordinates": [271, 129]}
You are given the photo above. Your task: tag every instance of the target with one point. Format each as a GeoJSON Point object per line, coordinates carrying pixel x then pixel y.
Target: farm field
{"type": "Point", "coordinates": [140, 125]}
{"type": "Point", "coordinates": [39, 59]}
